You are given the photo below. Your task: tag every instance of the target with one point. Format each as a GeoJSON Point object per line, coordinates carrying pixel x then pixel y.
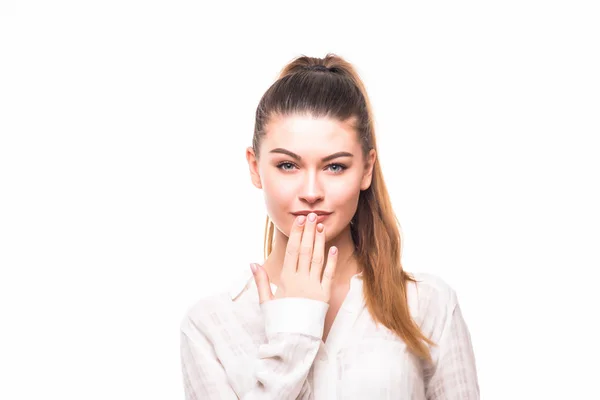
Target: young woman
{"type": "Point", "coordinates": [331, 314]}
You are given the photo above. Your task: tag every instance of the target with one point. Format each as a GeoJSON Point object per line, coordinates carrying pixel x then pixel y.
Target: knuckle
{"type": "Point", "coordinates": [298, 229]}
{"type": "Point", "coordinates": [291, 251]}
{"type": "Point", "coordinates": [317, 260]}
{"type": "Point", "coordinates": [305, 249]}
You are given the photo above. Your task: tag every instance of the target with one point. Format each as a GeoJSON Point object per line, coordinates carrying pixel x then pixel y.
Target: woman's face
{"type": "Point", "coordinates": [311, 164]}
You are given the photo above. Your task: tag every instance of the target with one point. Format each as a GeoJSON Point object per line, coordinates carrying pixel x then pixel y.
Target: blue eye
{"type": "Point", "coordinates": [339, 168]}
{"type": "Point", "coordinates": [284, 163]}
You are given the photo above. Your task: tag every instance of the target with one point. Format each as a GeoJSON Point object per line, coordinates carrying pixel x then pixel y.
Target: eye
{"type": "Point", "coordinates": [280, 165]}
{"type": "Point", "coordinates": [340, 168]}
{"type": "Point", "coordinates": [335, 168]}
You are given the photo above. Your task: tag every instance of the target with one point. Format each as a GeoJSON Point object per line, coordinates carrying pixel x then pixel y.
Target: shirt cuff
{"type": "Point", "coordinates": [295, 315]}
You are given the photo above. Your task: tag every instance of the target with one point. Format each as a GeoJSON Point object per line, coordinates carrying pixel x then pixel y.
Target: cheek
{"type": "Point", "coordinates": [279, 199]}
{"type": "Point", "coordinates": [341, 196]}
{"type": "Point", "coordinates": [345, 201]}
{"type": "Point", "coordinates": [277, 193]}
{"type": "Point", "coordinates": [344, 193]}
{"type": "Point", "coordinates": [349, 205]}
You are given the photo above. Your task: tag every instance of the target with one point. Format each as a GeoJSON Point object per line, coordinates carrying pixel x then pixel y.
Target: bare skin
{"type": "Point", "coordinates": [338, 294]}
{"type": "Point", "coordinates": [311, 164]}
{"type": "Point", "coordinates": [347, 267]}
{"type": "Point", "coordinates": [302, 273]}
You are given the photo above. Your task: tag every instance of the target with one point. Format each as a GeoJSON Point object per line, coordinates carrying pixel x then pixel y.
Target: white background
{"type": "Point", "coordinates": [125, 195]}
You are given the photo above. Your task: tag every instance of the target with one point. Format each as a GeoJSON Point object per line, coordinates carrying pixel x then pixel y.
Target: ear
{"type": "Point", "coordinates": [368, 174]}
{"type": "Point", "coordinates": [253, 165]}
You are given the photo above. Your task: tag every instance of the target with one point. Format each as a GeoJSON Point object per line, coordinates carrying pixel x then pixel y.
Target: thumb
{"type": "Point", "coordinates": [263, 283]}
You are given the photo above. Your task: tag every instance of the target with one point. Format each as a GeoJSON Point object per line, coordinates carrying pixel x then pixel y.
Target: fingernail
{"type": "Point", "coordinates": [333, 250]}
{"type": "Point", "coordinates": [312, 217]}
{"type": "Point", "coordinates": [301, 220]}
{"type": "Point", "coordinates": [253, 268]}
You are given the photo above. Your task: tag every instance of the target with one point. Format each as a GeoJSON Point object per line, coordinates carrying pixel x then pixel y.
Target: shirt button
{"type": "Point", "coordinates": [321, 356]}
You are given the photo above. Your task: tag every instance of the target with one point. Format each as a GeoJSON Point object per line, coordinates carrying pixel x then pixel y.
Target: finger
{"type": "Point", "coordinates": [307, 244]}
{"type": "Point", "coordinates": [318, 255]}
{"type": "Point", "coordinates": [329, 271]}
{"type": "Point", "coordinates": [292, 250]}
{"type": "Point", "coordinates": [263, 284]}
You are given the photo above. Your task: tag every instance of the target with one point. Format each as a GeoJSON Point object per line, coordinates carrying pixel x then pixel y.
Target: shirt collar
{"type": "Point", "coordinates": [245, 280]}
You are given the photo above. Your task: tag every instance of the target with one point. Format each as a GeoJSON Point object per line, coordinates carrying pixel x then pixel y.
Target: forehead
{"type": "Point", "coordinates": [305, 132]}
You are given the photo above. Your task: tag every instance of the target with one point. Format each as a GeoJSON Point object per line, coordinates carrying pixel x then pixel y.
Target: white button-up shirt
{"type": "Point", "coordinates": [232, 347]}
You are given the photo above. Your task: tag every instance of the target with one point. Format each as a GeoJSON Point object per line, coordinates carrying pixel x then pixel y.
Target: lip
{"type": "Point", "coordinates": [321, 215]}
{"type": "Point", "coordinates": [306, 212]}
{"type": "Point", "coordinates": [321, 218]}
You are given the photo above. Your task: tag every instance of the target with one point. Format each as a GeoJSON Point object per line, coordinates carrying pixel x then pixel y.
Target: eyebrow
{"type": "Point", "coordinates": [324, 159]}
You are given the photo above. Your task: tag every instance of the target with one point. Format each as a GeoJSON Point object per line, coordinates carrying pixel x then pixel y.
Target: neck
{"type": "Point", "coordinates": [347, 265]}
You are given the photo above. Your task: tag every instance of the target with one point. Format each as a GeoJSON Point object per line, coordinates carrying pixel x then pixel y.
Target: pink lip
{"type": "Point", "coordinates": [320, 217]}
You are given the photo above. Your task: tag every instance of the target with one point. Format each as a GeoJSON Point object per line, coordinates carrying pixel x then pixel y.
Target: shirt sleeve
{"type": "Point", "coordinates": [294, 329]}
{"type": "Point", "coordinates": [454, 376]}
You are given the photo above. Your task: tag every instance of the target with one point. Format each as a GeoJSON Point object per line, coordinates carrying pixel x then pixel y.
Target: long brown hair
{"type": "Point", "coordinates": [330, 87]}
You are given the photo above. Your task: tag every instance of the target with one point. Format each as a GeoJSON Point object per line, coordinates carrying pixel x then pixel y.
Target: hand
{"type": "Point", "coordinates": [302, 265]}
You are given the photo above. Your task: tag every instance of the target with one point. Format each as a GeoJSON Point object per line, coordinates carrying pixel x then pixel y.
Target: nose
{"type": "Point", "coordinates": [311, 190]}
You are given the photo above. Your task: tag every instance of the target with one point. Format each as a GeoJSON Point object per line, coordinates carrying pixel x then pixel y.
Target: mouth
{"type": "Point", "coordinates": [321, 215]}
{"type": "Point", "coordinates": [321, 218]}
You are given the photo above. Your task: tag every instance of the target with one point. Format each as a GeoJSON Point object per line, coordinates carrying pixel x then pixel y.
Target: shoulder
{"type": "Point", "coordinates": [431, 299]}
{"type": "Point", "coordinates": [205, 312]}
{"type": "Point", "coordinates": [430, 287]}
{"type": "Point", "coordinates": [218, 309]}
